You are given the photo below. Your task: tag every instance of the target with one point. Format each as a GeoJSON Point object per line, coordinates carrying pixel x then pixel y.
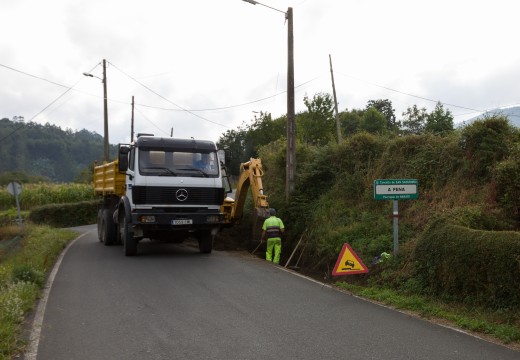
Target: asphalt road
{"type": "Point", "coordinates": [171, 302]}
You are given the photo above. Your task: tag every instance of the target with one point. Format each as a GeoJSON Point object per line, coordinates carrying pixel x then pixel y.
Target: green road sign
{"type": "Point", "coordinates": [396, 189]}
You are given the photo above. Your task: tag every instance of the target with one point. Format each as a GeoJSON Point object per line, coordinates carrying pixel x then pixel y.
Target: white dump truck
{"type": "Point", "coordinates": [163, 189]}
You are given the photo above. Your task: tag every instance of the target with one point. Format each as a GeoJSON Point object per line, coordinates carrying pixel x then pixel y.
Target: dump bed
{"type": "Point", "coordinates": [108, 180]}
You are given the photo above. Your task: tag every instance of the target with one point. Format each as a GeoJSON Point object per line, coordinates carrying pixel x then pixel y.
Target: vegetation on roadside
{"type": "Point", "coordinates": [25, 258]}
{"type": "Point", "coordinates": [497, 325]}
{"type": "Point", "coordinates": [458, 243]}
{"type": "Point", "coordinates": [45, 193]}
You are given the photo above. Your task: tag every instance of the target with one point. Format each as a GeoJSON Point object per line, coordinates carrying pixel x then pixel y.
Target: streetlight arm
{"type": "Point", "coordinates": [267, 6]}
{"type": "Point", "coordinates": [90, 75]}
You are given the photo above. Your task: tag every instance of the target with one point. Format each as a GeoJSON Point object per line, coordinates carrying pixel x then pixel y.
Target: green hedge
{"type": "Point", "coordinates": [66, 215]}
{"type": "Point", "coordinates": [474, 266]}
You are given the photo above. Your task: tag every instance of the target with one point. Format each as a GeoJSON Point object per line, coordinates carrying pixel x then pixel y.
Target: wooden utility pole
{"type": "Point", "coordinates": [291, 124]}
{"type": "Point", "coordinates": [290, 165]}
{"type": "Point", "coordinates": [105, 106]}
{"type": "Point", "coordinates": [132, 127]}
{"type": "Point", "coordinates": [338, 127]}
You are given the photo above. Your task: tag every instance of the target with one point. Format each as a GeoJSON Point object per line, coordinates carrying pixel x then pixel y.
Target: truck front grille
{"type": "Point", "coordinates": [144, 195]}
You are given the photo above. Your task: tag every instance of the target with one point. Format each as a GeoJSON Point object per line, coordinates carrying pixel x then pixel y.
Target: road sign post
{"type": "Point", "coordinates": [396, 189]}
{"type": "Point", "coordinates": [15, 189]}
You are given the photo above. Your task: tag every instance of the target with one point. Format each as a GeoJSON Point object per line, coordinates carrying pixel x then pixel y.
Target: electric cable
{"type": "Point", "coordinates": [46, 107]}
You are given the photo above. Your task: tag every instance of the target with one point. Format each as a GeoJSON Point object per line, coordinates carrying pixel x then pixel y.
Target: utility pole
{"type": "Point", "coordinates": [291, 124]}
{"type": "Point", "coordinates": [132, 127]}
{"type": "Point", "coordinates": [338, 128]}
{"type": "Point", "coordinates": [106, 154]}
{"type": "Point", "coordinates": [290, 165]}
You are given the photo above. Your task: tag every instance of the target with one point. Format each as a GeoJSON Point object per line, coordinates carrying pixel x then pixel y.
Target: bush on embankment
{"type": "Point", "coordinates": [66, 215]}
{"type": "Point", "coordinates": [469, 176]}
{"type": "Point", "coordinates": [477, 267]}
{"type": "Point", "coordinates": [59, 205]}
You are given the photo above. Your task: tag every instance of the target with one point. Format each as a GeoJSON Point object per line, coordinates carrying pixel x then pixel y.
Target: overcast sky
{"type": "Point", "coordinates": [224, 60]}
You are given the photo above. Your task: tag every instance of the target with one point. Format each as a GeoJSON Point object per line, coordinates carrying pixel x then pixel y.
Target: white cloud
{"type": "Point", "coordinates": [206, 54]}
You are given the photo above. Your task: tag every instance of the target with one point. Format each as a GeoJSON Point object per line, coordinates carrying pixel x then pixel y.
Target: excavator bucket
{"type": "Point", "coordinates": [262, 213]}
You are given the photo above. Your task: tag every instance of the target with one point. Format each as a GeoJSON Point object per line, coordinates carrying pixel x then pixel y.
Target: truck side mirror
{"type": "Point", "coordinates": [123, 158]}
{"type": "Point", "coordinates": [225, 155]}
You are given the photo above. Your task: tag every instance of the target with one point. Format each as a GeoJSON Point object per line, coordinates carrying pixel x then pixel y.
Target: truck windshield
{"type": "Point", "coordinates": [178, 163]}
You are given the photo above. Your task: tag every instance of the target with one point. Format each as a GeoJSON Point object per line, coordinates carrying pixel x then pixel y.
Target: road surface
{"type": "Point", "coordinates": [170, 302]}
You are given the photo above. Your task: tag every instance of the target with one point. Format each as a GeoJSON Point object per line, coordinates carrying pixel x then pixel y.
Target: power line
{"type": "Point", "coordinates": [193, 111]}
{"type": "Point", "coordinates": [168, 100]}
{"type": "Point", "coordinates": [412, 95]}
{"type": "Point", "coordinates": [230, 106]}
{"type": "Point", "coordinates": [34, 76]}
{"type": "Point", "coordinates": [46, 107]}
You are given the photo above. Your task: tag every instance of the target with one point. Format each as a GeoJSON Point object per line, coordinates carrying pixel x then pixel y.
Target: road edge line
{"type": "Point", "coordinates": [34, 337]}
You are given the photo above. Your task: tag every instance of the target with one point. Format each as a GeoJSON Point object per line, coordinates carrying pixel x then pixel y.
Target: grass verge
{"type": "Point", "coordinates": [502, 326]}
{"type": "Point", "coordinates": [26, 256]}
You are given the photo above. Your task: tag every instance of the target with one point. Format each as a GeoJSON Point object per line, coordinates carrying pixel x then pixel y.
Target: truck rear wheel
{"type": "Point", "coordinates": [99, 224]}
{"type": "Point", "coordinates": [127, 237]}
{"type": "Point", "coordinates": [108, 228]}
{"type": "Point", "coordinates": [205, 242]}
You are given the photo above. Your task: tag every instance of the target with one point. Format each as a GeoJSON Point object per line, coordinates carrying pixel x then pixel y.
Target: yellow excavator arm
{"type": "Point", "coordinates": [250, 177]}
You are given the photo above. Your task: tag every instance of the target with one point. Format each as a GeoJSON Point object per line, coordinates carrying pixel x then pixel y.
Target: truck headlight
{"type": "Point", "coordinates": [213, 219]}
{"type": "Point", "coordinates": [146, 219]}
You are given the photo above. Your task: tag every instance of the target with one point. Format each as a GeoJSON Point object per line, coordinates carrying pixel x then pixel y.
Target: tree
{"type": "Point", "coordinates": [439, 121]}
{"type": "Point", "coordinates": [350, 121]}
{"type": "Point", "coordinates": [385, 108]}
{"type": "Point", "coordinates": [316, 126]}
{"type": "Point", "coordinates": [414, 120]}
{"type": "Point", "coordinates": [373, 122]}
{"type": "Point", "coordinates": [485, 143]}
{"type": "Point", "coordinates": [263, 131]}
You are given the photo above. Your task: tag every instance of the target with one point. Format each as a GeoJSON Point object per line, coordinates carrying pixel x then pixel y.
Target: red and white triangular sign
{"type": "Point", "coordinates": [348, 263]}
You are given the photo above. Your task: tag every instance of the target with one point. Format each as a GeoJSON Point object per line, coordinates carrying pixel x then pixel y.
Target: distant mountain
{"type": "Point", "coordinates": [512, 113]}
{"type": "Point", "coordinates": [47, 150]}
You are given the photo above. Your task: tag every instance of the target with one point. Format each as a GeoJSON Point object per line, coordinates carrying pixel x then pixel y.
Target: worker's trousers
{"type": "Point", "coordinates": [276, 245]}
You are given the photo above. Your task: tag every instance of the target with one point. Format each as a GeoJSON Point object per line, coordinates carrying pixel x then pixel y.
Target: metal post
{"type": "Point", "coordinates": [396, 228]}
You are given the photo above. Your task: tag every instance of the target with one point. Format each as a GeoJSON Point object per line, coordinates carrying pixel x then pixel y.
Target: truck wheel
{"type": "Point", "coordinates": [205, 242]}
{"type": "Point", "coordinates": [108, 228]}
{"type": "Point", "coordinates": [127, 237]}
{"type": "Point", "coordinates": [99, 225]}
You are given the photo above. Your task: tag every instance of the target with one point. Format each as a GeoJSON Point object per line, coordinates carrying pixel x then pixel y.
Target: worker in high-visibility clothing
{"type": "Point", "coordinates": [272, 230]}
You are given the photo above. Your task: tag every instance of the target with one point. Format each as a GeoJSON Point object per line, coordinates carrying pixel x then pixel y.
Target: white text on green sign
{"type": "Point", "coordinates": [395, 189]}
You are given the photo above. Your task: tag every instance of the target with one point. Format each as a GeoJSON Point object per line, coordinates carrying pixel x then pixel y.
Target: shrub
{"type": "Point", "coordinates": [66, 215]}
{"type": "Point", "coordinates": [26, 273]}
{"type": "Point", "coordinates": [474, 266]}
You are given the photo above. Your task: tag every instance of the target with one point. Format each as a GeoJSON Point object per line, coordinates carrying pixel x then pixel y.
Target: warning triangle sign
{"type": "Point", "coordinates": [348, 263]}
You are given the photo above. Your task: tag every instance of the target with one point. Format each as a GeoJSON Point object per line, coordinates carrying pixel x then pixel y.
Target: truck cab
{"type": "Point", "coordinates": [173, 190]}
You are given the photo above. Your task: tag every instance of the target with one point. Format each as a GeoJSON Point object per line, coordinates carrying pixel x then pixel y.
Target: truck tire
{"type": "Point", "coordinates": [127, 237]}
{"type": "Point", "coordinates": [99, 225]}
{"type": "Point", "coordinates": [205, 242]}
{"type": "Point", "coordinates": [108, 228]}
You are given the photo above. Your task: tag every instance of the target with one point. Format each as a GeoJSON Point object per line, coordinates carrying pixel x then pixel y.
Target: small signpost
{"type": "Point", "coordinates": [15, 189]}
{"type": "Point", "coordinates": [396, 189]}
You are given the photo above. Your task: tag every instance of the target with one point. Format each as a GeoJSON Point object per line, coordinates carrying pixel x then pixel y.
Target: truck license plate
{"type": "Point", "coordinates": [182, 222]}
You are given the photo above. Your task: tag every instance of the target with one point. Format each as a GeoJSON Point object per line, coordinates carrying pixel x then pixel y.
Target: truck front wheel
{"type": "Point", "coordinates": [205, 239]}
{"type": "Point", "coordinates": [127, 236]}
